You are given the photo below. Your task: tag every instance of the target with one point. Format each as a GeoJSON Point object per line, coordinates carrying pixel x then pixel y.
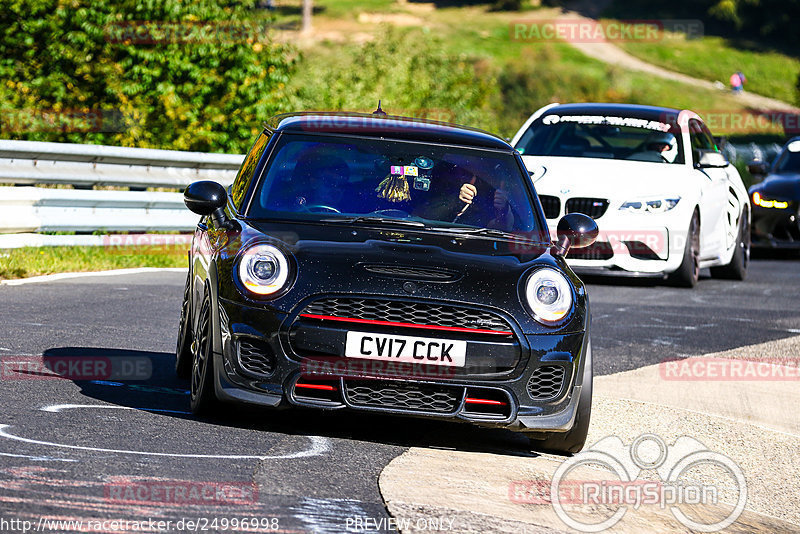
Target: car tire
{"type": "Point", "coordinates": [737, 268]}
{"type": "Point", "coordinates": [689, 271]}
{"type": "Point", "coordinates": [574, 439]}
{"type": "Point", "coordinates": [183, 350]}
{"type": "Point", "coordinates": [203, 397]}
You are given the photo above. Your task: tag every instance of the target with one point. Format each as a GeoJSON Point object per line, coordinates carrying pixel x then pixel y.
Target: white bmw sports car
{"type": "Point", "coordinates": [667, 202]}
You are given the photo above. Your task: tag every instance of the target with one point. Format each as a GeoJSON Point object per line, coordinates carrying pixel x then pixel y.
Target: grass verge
{"type": "Point", "coordinates": [34, 261]}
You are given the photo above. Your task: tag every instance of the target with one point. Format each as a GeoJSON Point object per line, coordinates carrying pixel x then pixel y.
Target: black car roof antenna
{"type": "Point", "coordinates": [379, 111]}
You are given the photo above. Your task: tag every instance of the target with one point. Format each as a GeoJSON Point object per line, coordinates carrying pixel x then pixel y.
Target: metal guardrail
{"type": "Point", "coordinates": [36, 209]}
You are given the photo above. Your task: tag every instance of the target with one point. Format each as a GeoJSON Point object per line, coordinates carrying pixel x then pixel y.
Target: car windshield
{"type": "Point", "coordinates": [606, 137]}
{"type": "Point", "coordinates": [789, 161]}
{"type": "Point", "coordinates": [334, 179]}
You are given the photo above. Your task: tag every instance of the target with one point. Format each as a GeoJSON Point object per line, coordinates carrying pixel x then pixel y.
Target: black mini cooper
{"type": "Point", "coordinates": [387, 264]}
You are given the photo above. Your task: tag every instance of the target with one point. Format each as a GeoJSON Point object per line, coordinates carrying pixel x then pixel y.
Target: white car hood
{"type": "Point", "coordinates": [605, 178]}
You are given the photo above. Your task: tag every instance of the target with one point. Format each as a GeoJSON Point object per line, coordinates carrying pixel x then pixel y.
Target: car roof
{"type": "Point", "coordinates": [386, 126]}
{"type": "Point", "coordinates": [654, 113]}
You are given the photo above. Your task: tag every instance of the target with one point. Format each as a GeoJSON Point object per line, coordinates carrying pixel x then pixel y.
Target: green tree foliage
{"type": "Point", "coordinates": [409, 71]}
{"type": "Point", "coordinates": [197, 75]}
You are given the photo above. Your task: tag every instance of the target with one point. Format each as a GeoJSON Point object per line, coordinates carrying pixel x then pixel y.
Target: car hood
{"type": "Point", "coordinates": [347, 259]}
{"type": "Point", "coordinates": [780, 186]}
{"type": "Point", "coordinates": [604, 178]}
{"type": "Point", "coordinates": [371, 241]}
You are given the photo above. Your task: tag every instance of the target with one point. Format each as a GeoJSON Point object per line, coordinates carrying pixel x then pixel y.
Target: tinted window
{"type": "Point", "coordinates": [245, 176]}
{"type": "Point", "coordinates": [604, 137]}
{"type": "Point", "coordinates": [700, 136]}
{"type": "Point", "coordinates": [313, 177]}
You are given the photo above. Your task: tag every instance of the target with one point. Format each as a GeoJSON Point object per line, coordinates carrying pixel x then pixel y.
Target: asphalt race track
{"type": "Point", "coordinates": [69, 448]}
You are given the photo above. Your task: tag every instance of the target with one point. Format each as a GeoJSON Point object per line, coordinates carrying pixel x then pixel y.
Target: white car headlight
{"type": "Point", "coordinates": [650, 205]}
{"type": "Point", "coordinates": [549, 295]}
{"type": "Point", "coordinates": [263, 269]}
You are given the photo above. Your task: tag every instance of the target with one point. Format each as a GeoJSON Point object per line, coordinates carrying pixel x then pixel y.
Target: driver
{"type": "Point", "coordinates": [664, 144]}
{"type": "Point", "coordinates": [459, 196]}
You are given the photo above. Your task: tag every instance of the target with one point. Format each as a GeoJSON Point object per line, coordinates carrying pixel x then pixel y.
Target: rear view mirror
{"type": "Point", "coordinates": [575, 230]}
{"type": "Point", "coordinates": [205, 197]}
{"type": "Point", "coordinates": [208, 198]}
{"type": "Point", "coordinates": [710, 159]}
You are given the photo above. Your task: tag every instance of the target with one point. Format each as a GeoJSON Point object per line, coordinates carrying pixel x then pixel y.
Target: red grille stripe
{"type": "Point", "coordinates": [405, 325]}
{"type": "Point", "coordinates": [470, 400]}
{"type": "Point", "coordinates": [323, 387]}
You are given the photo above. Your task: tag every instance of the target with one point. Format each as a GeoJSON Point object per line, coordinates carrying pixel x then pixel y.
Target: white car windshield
{"type": "Point", "coordinates": [585, 136]}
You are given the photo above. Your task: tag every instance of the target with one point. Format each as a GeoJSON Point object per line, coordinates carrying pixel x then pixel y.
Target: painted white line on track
{"type": "Point", "coordinates": [115, 272]}
{"type": "Point", "coordinates": [57, 408]}
{"type": "Point", "coordinates": [319, 446]}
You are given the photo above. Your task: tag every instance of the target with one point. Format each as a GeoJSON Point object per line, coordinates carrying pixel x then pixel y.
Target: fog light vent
{"type": "Point", "coordinates": [546, 382]}
{"type": "Point", "coordinates": [256, 356]}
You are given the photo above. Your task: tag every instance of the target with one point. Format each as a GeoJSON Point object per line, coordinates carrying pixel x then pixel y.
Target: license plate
{"type": "Point", "coordinates": [392, 348]}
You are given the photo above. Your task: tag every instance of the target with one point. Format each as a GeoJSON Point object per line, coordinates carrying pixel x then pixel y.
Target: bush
{"type": "Point", "coordinates": [411, 74]}
{"type": "Point", "coordinates": [76, 71]}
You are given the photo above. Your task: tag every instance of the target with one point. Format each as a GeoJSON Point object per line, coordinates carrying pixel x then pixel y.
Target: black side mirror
{"type": "Point", "coordinates": [758, 167]}
{"type": "Point", "coordinates": [207, 198]}
{"type": "Point", "coordinates": [575, 230]}
{"type": "Point", "coordinates": [710, 159]}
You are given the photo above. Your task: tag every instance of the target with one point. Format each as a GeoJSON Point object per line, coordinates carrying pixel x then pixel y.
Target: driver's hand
{"type": "Point", "coordinates": [467, 193]}
{"type": "Point", "coordinates": [500, 200]}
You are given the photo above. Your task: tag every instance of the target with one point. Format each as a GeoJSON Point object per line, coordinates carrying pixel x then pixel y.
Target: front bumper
{"type": "Point", "coordinates": [630, 247]}
{"type": "Point", "coordinates": [535, 382]}
{"type": "Point", "coordinates": [773, 228]}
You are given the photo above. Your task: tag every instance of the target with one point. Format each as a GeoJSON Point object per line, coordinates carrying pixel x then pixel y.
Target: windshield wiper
{"type": "Point", "coordinates": [490, 232]}
{"type": "Point", "coordinates": [389, 221]}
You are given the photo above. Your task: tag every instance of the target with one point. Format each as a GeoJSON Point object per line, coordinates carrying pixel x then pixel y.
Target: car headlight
{"type": "Point", "coordinates": [549, 296]}
{"type": "Point", "coordinates": [263, 269]}
{"type": "Point", "coordinates": [650, 205]}
{"type": "Point", "coordinates": [758, 200]}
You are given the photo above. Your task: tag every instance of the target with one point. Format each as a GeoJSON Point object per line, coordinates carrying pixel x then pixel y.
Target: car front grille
{"type": "Point", "coordinates": [593, 207]}
{"type": "Point", "coordinates": [599, 250]}
{"type": "Point", "coordinates": [408, 312]}
{"type": "Point", "coordinates": [551, 206]}
{"type": "Point", "coordinates": [398, 396]}
{"type": "Point", "coordinates": [546, 382]}
{"type": "Point", "coordinates": [256, 356]}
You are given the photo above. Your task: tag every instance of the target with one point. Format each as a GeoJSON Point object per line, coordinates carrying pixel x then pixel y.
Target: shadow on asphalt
{"type": "Point", "coordinates": [163, 392]}
{"type": "Point", "coordinates": [775, 254]}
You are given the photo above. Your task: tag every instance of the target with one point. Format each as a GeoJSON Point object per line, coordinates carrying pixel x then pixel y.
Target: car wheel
{"type": "Point", "coordinates": [574, 439]}
{"type": "Point", "coordinates": [203, 397]}
{"type": "Point", "coordinates": [737, 268]}
{"type": "Point", "coordinates": [183, 351]}
{"type": "Point", "coordinates": [689, 271]}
